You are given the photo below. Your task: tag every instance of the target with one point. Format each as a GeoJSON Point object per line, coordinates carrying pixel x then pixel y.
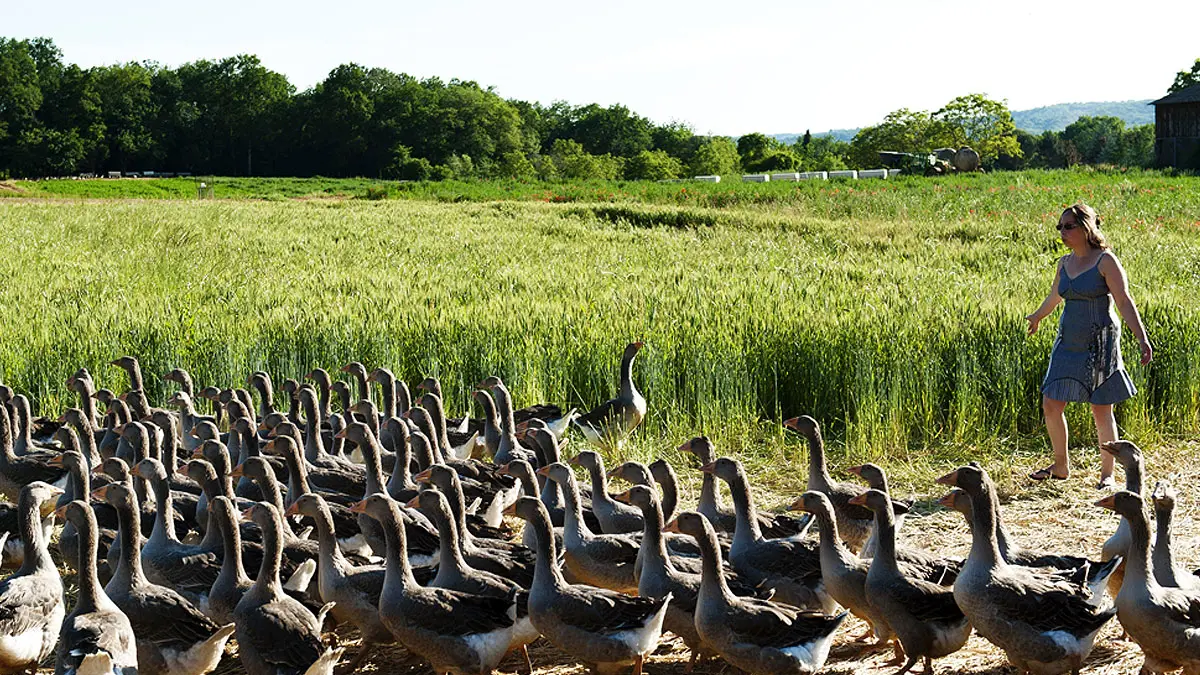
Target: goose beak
{"type": "Point", "coordinates": [504, 470]}
{"type": "Point", "coordinates": [639, 344]}
{"type": "Point", "coordinates": [340, 434]}
{"type": "Point", "coordinates": [61, 512]}
{"type": "Point", "coordinates": [797, 505]}
{"type": "Point", "coordinates": [270, 447]}
{"type": "Point", "coordinates": [424, 476]}
{"type": "Point", "coordinates": [613, 472]}
{"type": "Point", "coordinates": [946, 500]}
{"type": "Point", "coordinates": [544, 471]}
{"type": "Point", "coordinates": [237, 472]}
{"type": "Point", "coordinates": [673, 526]}
{"type": "Point", "coordinates": [345, 368]}
{"type": "Point", "coordinates": [62, 419]}
{"type": "Point", "coordinates": [293, 510]}
{"type": "Point", "coordinates": [1107, 502]}
{"type": "Point", "coordinates": [56, 460]}
{"type": "Point", "coordinates": [413, 503]}
{"type": "Point", "coordinates": [98, 470]}
{"type": "Point", "coordinates": [133, 471]}
{"type": "Point", "coordinates": [622, 497]}
{"type": "Point", "coordinates": [194, 433]}
{"type": "Point", "coordinates": [1109, 446]}
{"type": "Point", "coordinates": [859, 500]}
{"type": "Point", "coordinates": [262, 426]}
{"type": "Point", "coordinates": [856, 470]}
{"type": "Point", "coordinates": [576, 461]}
{"type": "Point", "coordinates": [949, 479]}
{"type": "Point", "coordinates": [100, 493]}
{"type": "Point", "coordinates": [709, 468]}
{"type": "Point", "coordinates": [246, 515]}
{"type": "Point", "coordinates": [686, 446]}
{"type": "Point", "coordinates": [510, 510]}
{"type": "Point", "coordinates": [197, 454]}
{"type": "Point", "coordinates": [793, 424]}
{"type": "Point", "coordinates": [359, 507]}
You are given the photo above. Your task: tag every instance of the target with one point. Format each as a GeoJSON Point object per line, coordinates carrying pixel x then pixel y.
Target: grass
{"type": "Point", "coordinates": [890, 312]}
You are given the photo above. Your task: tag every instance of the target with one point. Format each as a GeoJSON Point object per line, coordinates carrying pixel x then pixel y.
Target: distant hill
{"type": "Point", "coordinates": [1057, 117]}
{"type": "Point", "coordinates": [1036, 120]}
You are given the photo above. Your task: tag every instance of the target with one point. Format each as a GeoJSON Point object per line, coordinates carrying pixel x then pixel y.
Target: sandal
{"type": "Point", "coordinates": [1106, 483]}
{"type": "Point", "coordinates": [1044, 474]}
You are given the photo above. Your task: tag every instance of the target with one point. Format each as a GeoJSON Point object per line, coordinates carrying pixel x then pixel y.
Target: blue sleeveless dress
{"type": "Point", "coordinates": [1085, 364]}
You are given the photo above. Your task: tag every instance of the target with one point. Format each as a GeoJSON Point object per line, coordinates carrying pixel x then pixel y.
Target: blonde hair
{"type": "Point", "coordinates": [1087, 218]}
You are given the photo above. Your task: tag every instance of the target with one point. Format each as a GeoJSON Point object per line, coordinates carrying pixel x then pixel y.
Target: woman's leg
{"type": "Point", "coordinates": [1056, 426]}
{"type": "Point", "coordinates": [1106, 430]}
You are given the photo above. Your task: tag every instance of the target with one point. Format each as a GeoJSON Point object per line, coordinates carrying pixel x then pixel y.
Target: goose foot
{"type": "Point", "coordinates": [363, 652]}
{"type": "Point", "coordinates": [637, 664]}
{"type": "Point", "coordinates": [692, 662]}
{"type": "Point", "coordinates": [528, 663]}
{"type": "Point", "coordinates": [897, 655]}
{"type": "Point", "coordinates": [912, 661]}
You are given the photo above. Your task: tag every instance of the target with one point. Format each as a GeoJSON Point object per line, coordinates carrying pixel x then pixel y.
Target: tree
{"type": "Point", "coordinates": [1186, 78]}
{"type": "Point", "coordinates": [716, 156]}
{"type": "Point", "coordinates": [572, 161]}
{"type": "Point", "coordinates": [981, 123]}
{"type": "Point", "coordinates": [653, 165]}
{"type": "Point", "coordinates": [822, 153]}
{"type": "Point", "coordinates": [20, 100]}
{"type": "Point", "coordinates": [1098, 139]}
{"type": "Point", "coordinates": [755, 146]}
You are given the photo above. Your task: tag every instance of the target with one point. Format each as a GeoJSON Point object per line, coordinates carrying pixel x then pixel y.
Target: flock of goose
{"type": "Point", "coordinates": [385, 518]}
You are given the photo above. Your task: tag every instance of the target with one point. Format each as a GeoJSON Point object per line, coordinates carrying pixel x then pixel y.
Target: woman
{"type": "Point", "coordinates": [1085, 364]}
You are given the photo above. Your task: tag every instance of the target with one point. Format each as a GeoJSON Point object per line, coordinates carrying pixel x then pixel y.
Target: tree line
{"type": "Point", "coordinates": [236, 117]}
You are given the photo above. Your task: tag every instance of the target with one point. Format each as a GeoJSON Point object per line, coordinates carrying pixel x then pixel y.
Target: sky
{"type": "Point", "coordinates": [727, 68]}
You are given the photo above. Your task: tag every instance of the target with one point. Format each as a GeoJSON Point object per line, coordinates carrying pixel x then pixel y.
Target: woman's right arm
{"type": "Point", "coordinates": [1048, 305]}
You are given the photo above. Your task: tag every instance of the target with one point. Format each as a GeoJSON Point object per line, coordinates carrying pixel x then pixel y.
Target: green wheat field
{"type": "Point", "coordinates": [890, 311]}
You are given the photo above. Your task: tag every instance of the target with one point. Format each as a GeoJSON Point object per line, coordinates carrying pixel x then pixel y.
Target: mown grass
{"type": "Point", "coordinates": [891, 312]}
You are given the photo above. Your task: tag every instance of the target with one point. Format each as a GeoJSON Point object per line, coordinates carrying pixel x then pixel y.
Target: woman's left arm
{"type": "Point", "coordinates": [1118, 286]}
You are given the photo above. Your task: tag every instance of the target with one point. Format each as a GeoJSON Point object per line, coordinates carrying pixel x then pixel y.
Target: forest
{"type": "Point", "coordinates": [237, 117]}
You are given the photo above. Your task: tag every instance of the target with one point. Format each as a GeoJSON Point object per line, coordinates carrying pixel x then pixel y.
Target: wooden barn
{"type": "Point", "coordinates": [1177, 129]}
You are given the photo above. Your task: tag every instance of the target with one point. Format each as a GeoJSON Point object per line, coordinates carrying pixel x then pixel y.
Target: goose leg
{"type": "Point", "coordinates": [928, 665]}
{"type": "Point", "coordinates": [528, 663]}
{"type": "Point", "coordinates": [637, 664]}
{"type": "Point", "coordinates": [692, 662]}
{"type": "Point", "coordinates": [897, 654]}
{"type": "Point", "coordinates": [912, 661]}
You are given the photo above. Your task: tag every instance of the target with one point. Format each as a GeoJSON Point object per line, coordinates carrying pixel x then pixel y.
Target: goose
{"type": "Point", "coordinates": [96, 636]}
{"type": "Point", "coordinates": [854, 522]}
{"type": "Point", "coordinates": [604, 560]}
{"type": "Point", "coordinates": [324, 384]}
{"type": "Point", "coordinates": [358, 371]}
{"type": "Point", "coordinates": [167, 561]}
{"type": "Point", "coordinates": [354, 589]}
{"type": "Point", "coordinates": [1164, 621]}
{"type": "Point", "coordinates": [1044, 624]}
{"type": "Point", "coordinates": [614, 517]}
{"type": "Point", "coordinates": [79, 487]}
{"type": "Point", "coordinates": [291, 388]}
{"type": "Point", "coordinates": [1166, 573]}
{"type": "Point", "coordinates": [84, 386]}
{"type": "Point", "coordinates": [276, 634]}
{"type": "Point", "coordinates": [923, 615]}
{"type": "Point", "coordinates": [791, 566]}
{"type": "Point", "coordinates": [455, 573]}
{"type": "Point", "coordinates": [1129, 456]}
{"type": "Point", "coordinates": [31, 599]}
{"type": "Point", "coordinates": [133, 369]}
{"type": "Point", "coordinates": [457, 632]}
{"type": "Point", "coordinates": [594, 625]}
{"type": "Point", "coordinates": [1076, 569]}
{"type": "Point", "coordinates": [173, 636]}
{"type": "Point", "coordinates": [609, 424]}
{"type": "Point", "coordinates": [387, 391]}
{"type": "Point", "coordinates": [754, 635]}
{"type": "Point", "coordinates": [183, 379]}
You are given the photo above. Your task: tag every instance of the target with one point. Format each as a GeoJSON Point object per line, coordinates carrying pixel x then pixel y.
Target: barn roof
{"type": "Point", "coordinates": [1187, 95]}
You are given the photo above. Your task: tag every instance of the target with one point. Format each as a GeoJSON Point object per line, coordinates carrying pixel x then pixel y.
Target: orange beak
{"type": "Point", "coordinates": [946, 500]}
{"type": "Point", "coordinates": [293, 510]}
{"type": "Point", "coordinates": [238, 472]}
{"type": "Point", "coordinates": [340, 434]}
{"type": "Point", "coordinates": [793, 424]}
{"type": "Point", "coordinates": [56, 460]}
{"type": "Point", "coordinates": [686, 446]}
{"type": "Point", "coordinates": [413, 503]}
{"type": "Point", "coordinates": [134, 471]}
{"type": "Point", "coordinates": [797, 505]}
{"type": "Point", "coordinates": [510, 510]}
{"type": "Point", "coordinates": [544, 471]}
{"type": "Point", "coordinates": [1108, 502]}
{"type": "Point", "coordinates": [359, 507]}
{"type": "Point", "coordinates": [262, 426]}
{"type": "Point", "coordinates": [197, 454]}
{"type": "Point", "coordinates": [575, 461]}
{"type": "Point", "coordinates": [504, 470]}
{"type": "Point", "coordinates": [673, 526]}
{"type": "Point", "coordinates": [949, 479]}
{"type": "Point", "coordinates": [856, 470]}
{"type": "Point", "coordinates": [859, 500]}
{"type": "Point", "coordinates": [423, 477]}
{"type": "Point", "coordinates": [708, 468]}
{"type": "Point", "coordinates": [345, 368]}
{"type": "Point", "coordinates": [270, 446]}
{"type": "Point", "coordinates": [623, 497]}
{"type": "Point", "coordinates": [246, 513]}
{"type": "Point", "coordinates": [100, 493]}
{"type": "Point", "coordinates": [98, 470]}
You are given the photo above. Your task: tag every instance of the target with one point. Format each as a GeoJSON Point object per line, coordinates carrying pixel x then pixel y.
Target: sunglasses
{"type": "Point", "coordinates": [1070, 226]}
